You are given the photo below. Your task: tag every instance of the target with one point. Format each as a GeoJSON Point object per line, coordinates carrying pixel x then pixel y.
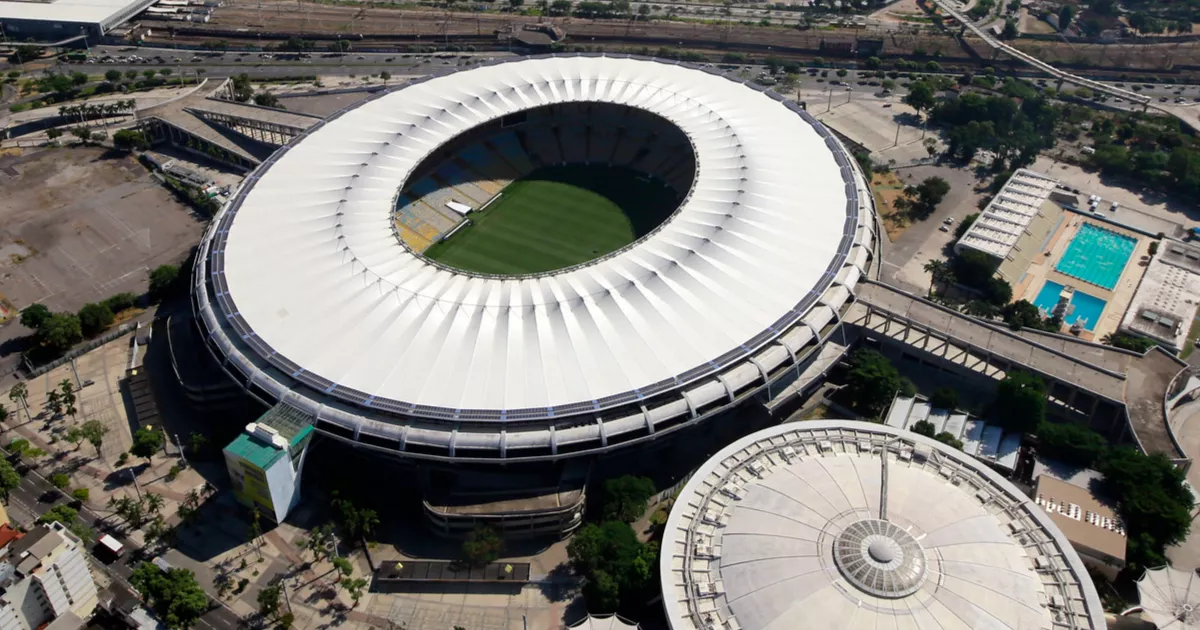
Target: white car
{"type": "Point", "coordinates": [949, 220]}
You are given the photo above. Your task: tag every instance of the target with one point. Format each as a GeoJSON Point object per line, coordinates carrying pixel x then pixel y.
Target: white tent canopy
{"type": "Point", "coordinates": [603, 622]}
{"type": "Point", "coordinates": [1170, 598]}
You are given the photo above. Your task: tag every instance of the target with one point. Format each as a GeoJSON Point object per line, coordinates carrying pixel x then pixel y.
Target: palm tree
{"type": "Point", "coordinates": [19, 394]}
{"type": "Point", "coordinates": [937, 270]}
{"type": "Point", "coordinates": [154, 503]}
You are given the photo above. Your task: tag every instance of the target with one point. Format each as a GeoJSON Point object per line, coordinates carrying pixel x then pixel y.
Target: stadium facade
{"type": "Point", "coordinates": [311, 290]}
{"type": "Point", "coordinates": [845, 524]}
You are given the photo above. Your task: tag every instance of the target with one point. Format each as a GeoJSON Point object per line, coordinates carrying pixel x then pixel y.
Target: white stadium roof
{"type": "Point", "coordinates": [784, 529]}
{"type": "Point", "coordinates": [310, 283]}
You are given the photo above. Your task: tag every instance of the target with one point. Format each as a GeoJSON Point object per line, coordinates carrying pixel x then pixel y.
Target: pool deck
{"type": "Point", "coordinates": [1118, 299]}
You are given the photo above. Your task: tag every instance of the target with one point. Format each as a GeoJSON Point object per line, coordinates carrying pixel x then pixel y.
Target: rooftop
{"type": "Point", "coordinates": [858, 525]}
{"type": "Point", "coordinates": [1167, 297]}
{"type": "Point", "coordinates": [440, 571]}
{"type": "Point", "coordinates": [100, 12]}
{"type": "Point", "coordinates": [1081, 516]}
{"type": "Point", "coordinates": [1009, 213]}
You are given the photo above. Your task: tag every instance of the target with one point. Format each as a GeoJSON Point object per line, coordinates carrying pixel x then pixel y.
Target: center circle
{"type": "Point", "coordinates": [880, 558]}
{"type": "Point", "coordinates": [545, 189]}
{"type": "Point", "coordinates": [882, 551]}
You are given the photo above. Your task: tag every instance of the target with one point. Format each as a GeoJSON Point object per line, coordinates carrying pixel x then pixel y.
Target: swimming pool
{"type": "Point", "coordinates": [1083, 306]}
{"type": "Point", "coordinates": [1096, 256]}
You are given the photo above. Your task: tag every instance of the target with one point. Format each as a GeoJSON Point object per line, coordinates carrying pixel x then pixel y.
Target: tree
{"type": "Point", "coordinates": [197, 441]}
{"type": "Point", "coordinates": [83, 133]}
{"type": "Point", "coordinates": [930, 192]}
{"type": "Point", "coordinates": [173, 594]}
{"type": "Point", "coordinates": [1065, 15]}
{"type": "Point", "coordinates": [1070, 443]}
{"type": "Point", "coordinates": [112, 75]}
{"type": "Point", "coordinates": [625, 497]}
{"type": "Point", "coordinates": [965, 224]}
{"type": "Point", "coordinates": [129, 140]}
{"type": "Point", "coordinates": [66, 393]}
{"type": "Point", "coordinates": [1010, 29]}
{"type": "Point", "coordinates": [146, 442]}
{"type": "Point", "coordinates": [54, 402]}
{"type": "Point", "coordinates": [34, 316]}
{"type": "Point", "coordinates": [60, 331]}
{"type": "Point", "coordinates": [643, 11]}
{"type": "Point", "coordinates": [1020, 403]}
{"type": "Point", "coordinates": [19, 394]}
{"type": "Point", "coordinates": [873, 381]}
{"type": "Point", "coordinates": [355, 588]}
{"type": "Point", "coordinates": [74, 436]}
{"type": "Point", "coordinates": [94, 431]}
{"type": "Point", "coordinates": [619, 571]}
{"type": "Point", "coordinates": [1023, 314]}
{"type": "Point", "coordinates": [81, 494]}
{"type": "Point", "coordinates": [162, 279]}
{"type": "Point", "coordinates": [947, 438]}
{"type": "Point", "coordinates": [60, 481]}
{"type": "Point", "coordinates": [939, 273]}
{"type": "Point", "coordinates": [9, 478]}
{"type": "Point", "coordinates": [920, 96]}
{"type": "Point", "coordinates": [923, 427]}
{"type": "Point", "coordinates": [94, 318]}
{"type": "Point", "coordinates": [266, 99]}
{"type": "Point", "coordinates": [1153, 501]}
{"type": "Point", "coordinates": [269, 600]}
{"type": "Point", "coordinates": [54, 133]}
{"type": "Point", "coordinates": [384, 75]}
{"type": "Point", "coordinates": [154, 503]}
{"type": "Point", "coordinates": [944, 398]}
{"type": "Point", "coordinates": [482, 545]}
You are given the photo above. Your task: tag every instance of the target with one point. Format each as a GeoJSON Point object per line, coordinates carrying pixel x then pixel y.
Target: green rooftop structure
{"type": "Point", "coordinates": [266, 460]}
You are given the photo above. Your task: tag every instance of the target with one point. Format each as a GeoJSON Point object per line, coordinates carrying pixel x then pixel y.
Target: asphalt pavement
{"type": "Point", "coordinates": [36, 496]}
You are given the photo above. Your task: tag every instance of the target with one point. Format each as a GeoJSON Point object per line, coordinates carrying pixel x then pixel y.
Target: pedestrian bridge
{"type": "Point", "coordinates": [1121, 392]}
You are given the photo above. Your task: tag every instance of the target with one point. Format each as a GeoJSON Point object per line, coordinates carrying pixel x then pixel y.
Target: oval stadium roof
{"type": "Point", "coordinates": [307, 282]}
{"type": "Point", "coordinates": [794, 526]}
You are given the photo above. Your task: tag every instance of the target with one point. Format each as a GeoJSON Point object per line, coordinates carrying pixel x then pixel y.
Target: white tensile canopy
{"type": "Point", "coordinates": [603, 622]}
{"type": "Point", "coordinates": [1170, 598]}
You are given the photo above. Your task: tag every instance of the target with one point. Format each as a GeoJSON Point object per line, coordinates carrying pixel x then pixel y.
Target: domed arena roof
{"type": "Point", "coordinates": [808, 525]}
{"type": "Point", "coordinates": [307, 291]}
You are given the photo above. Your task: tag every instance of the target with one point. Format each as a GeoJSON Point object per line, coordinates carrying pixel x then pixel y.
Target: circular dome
{"type": "Point", "coordinates": [880, 558]}
{"type": "Point", "coordinates": [800, 522]}
{"type": "Point", "coordinates": [309, 291]}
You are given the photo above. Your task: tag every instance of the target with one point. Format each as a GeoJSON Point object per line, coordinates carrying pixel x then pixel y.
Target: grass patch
{"type": "Point", "coordinates": [1193, 334]}
{"type": "Point", "coordinates": [556, 217]}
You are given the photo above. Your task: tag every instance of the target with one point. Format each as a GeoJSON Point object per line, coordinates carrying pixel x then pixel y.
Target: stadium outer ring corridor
{"type": "Point", "coordinates": [305, 295]}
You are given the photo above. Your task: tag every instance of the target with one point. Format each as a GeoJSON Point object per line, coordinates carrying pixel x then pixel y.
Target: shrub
{"type": "Point", "coordinates": [944, 398]}
{"type": "Point", "coordinates": [94, 318]}
{"type": "Point", "coordinates": [120, 302]}
{"type": "Point", "coordinates": [80, 494]}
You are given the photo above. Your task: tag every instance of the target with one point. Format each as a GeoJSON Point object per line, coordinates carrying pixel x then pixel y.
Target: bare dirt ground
{"type": "Point", "coordinates": [78, 225]}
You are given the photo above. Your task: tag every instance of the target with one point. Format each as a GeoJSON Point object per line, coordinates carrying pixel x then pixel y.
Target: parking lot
{"type": "Point", "coordinates": [80, 224]}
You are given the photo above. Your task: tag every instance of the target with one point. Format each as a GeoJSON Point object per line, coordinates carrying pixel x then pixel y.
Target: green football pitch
{"type": "Point", "coordinates": [556, 217]}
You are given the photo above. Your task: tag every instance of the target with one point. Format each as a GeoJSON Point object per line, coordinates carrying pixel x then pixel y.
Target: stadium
{"type": "Point", "coordinates": [536, 259]}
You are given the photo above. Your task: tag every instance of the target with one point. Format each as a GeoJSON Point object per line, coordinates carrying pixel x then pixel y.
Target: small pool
{"type": "Point", "coordinates": [1083, 306]}
{"type": "Point", "coordinates": [1097, 256]}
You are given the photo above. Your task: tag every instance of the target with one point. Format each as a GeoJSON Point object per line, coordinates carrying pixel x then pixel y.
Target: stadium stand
{"type": "Point", "coordinates": [477, 167]}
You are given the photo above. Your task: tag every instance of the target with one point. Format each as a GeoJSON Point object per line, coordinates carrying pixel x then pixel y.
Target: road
{"type": "Point", "coordinates": [36, 496]}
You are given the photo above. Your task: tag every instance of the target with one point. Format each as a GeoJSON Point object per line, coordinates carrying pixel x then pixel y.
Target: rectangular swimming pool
{"type": "Point", "coordinates": [1083, 306]}
{"type": "Point", "coordinates": [1097, 256]}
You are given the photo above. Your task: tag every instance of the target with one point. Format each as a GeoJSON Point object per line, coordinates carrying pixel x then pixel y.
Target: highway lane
{"type": "Point", "coordinates": [36, 496]}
